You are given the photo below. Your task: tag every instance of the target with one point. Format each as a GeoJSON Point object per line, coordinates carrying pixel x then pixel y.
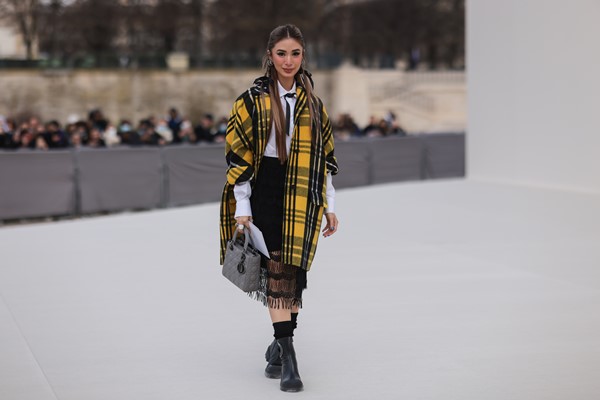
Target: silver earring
{"type": "Point", "coordinates": [269, 63]}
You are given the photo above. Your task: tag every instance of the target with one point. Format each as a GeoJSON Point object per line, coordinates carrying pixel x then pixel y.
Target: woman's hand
{"type": "Point", "coordinates": [332, 225]}
{"type": "Point", "coordinates": [243, 221]}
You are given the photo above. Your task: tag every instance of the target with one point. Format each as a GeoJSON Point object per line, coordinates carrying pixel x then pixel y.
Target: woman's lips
{"type": "Point", "coordinates": [288, 70]}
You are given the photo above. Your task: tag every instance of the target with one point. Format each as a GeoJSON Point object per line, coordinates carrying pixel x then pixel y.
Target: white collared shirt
{"type": "Point", "coordinates": [271, 149]}
{"type": "Point", "coordinates": [243, 191]}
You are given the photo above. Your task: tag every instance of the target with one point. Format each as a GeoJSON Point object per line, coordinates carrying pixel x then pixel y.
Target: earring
{"type": "Point", "coordinates": [269, 63]}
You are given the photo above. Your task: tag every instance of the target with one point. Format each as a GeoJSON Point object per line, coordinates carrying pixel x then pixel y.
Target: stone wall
{"type": "Point", "coordinates": [422, 101]}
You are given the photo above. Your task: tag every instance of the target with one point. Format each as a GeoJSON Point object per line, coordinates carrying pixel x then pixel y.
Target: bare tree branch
{"type": "Point", "coordinates": [370, 32]}
{"type": "Point", "coordinates": [24, 15]}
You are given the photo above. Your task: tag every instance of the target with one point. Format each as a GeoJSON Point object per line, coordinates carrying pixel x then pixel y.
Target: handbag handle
{"type": "Point", "coordinates": [247, 239]}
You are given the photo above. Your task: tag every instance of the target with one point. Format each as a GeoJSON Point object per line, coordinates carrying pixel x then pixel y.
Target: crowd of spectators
{"type": "Point", "coordinates": [345, 127]}
{"type": "Point", "coordinates": [97, 131]}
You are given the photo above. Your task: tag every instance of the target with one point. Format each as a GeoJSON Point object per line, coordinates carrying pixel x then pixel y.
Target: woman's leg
{"type": "Point", "coordinates": [283, 326]}
{"type": "Point", "coordinates": [281, 314]}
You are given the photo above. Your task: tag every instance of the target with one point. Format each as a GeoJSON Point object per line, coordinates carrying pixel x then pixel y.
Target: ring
{"type": "Point", "coordinates": [241, 226]}
{"type": "Point", "coordinates": [332, 228]}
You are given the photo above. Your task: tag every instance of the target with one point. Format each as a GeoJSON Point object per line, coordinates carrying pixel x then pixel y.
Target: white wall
{"type": "Point", "coordinates": [534, 92]}
{"type": "Point", "coordinates": [8, 42]}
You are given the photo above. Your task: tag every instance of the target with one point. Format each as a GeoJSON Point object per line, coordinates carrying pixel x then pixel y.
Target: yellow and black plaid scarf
{"type": "Point", "coordinates": [307, 166]}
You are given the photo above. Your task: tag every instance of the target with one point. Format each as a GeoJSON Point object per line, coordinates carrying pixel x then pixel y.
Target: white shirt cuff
{"type": "Point", "coordinates": [330, 194]}
{"type": "Point", "coordinates": [242, 193]}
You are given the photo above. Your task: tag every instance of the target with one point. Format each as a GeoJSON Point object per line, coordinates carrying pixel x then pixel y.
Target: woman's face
{"type": "Point", "coordinates": [287, 58]}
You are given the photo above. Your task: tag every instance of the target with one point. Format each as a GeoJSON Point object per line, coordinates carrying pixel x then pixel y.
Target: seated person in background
{"type": "Point", "coordinates": [95, 139]}
{"type": "Point", "coordinates": [29, 135]}
{"type": "Point", "coordinates": [54, 136]}
{"type": "Point", "coordinates": [110, 135]}
{"type": "Point", "coordinates": [25, 139]}
{"type": "Point", "coordinates": [76, 138]}
{"type": "Point", "coordinates": [221, 130]}
{"type": "Point", "coordinates": [148, 134]}
{"type": "Point", "coordinates": [396, 129]}
{"type": "Point", "coordinates": [186, 132]}
{"type": "Point", "coordinates": [346, 127]}
{"type": "Point", "coordinates": [127, 134]}
{"type": "Point", "coordinates": [384, 128]}
{"type": "Point", "coordinates": [205, 130]}
{"type": "Point", "coordinates": [174, 122]}
{"type": "Point", "coordinates": [373, 128]}
{"type": "Point", "coordinates": [162, 128]}
{"type": "Point", "coordinates": [96, 119]}
{"type": "Point", "coordinates": [40, 143]}
{"type": "Point", "coordinates": [393, 124]}
{"type": "Point", "coordinates": [6, 134]}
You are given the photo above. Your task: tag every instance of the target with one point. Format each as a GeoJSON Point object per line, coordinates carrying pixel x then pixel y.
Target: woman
{"type": "Point", "coordinates": [280, 156]}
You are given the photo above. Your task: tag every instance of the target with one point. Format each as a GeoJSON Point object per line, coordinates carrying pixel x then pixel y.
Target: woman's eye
{"type": "Point", "coordinates": [281, 54]}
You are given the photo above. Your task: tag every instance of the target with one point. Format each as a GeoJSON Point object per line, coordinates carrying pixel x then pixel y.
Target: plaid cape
{"type": "Point", "coordinates": [247, 134]}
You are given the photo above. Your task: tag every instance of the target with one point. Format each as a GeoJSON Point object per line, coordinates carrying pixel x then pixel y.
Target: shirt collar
{"type": "Point", "coordinates": [283, 92]}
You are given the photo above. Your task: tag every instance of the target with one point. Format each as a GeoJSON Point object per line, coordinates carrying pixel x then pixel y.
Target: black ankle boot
{"type": "Point", "coordinates": [273, 369]}
{"type": "Point", "coordinates": [290, 378]}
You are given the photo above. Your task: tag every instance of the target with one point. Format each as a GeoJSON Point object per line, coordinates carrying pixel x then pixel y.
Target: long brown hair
{"type": "Point", "coordinates": [302, 78]}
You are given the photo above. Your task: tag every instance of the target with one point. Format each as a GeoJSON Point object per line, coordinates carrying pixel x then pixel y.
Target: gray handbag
{"type": "Point", "coordinates": [242, 263]}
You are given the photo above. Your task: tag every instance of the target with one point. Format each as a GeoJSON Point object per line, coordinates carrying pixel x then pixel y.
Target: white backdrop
{"type": "Point", "coordinates": [534, 92]}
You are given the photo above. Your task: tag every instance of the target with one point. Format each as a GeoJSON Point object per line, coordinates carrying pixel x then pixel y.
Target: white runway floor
{"type": "Point", "coordinates": [430, 290]}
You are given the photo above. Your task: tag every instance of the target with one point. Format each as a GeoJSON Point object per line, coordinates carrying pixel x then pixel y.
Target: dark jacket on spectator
{"type": "Point", "coordinates": [56, 140]}
{"type": "Point", "coordinates": [6, 141]}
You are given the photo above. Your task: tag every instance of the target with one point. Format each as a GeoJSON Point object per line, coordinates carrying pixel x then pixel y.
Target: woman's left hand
{"type": "Point", "coordinates": [332, 225]}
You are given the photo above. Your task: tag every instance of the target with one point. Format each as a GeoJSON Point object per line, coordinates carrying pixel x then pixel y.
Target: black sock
{"type": "Point", "coordinates": [295, 319]}
{"type": "Point", "coordinates": [283, 329]}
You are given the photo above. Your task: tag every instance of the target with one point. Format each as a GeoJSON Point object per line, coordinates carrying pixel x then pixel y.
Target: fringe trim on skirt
{"type": "Point", "coordinates": [281, 285]}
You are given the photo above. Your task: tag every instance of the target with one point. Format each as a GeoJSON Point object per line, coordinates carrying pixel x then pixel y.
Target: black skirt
{"type": "Point", "coordinates": [281, 284]}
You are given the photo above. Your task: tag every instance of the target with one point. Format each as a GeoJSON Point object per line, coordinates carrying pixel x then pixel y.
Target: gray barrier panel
{"type": "Point", "coordinates": [36, 184]}
{"type": "Point", "coordinates": [396, 159]}
{"type": "Point", "coordinates": [195, 174]}
{"type": "Point", "coordinates": [444, 155]}
{"type": "Point", "coordinates": [354, 159]}
{"type": "Point", "coordinates": [119, 179]}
